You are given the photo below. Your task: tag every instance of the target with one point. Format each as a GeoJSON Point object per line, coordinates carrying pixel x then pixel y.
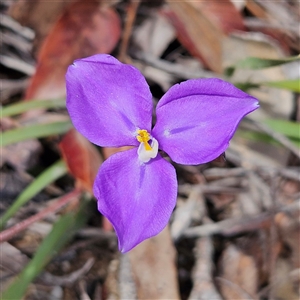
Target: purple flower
{"type": "Point", "coordinates": [110, 104]}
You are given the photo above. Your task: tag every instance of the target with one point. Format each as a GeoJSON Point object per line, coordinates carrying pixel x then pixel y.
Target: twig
{"type": "Point", "coordinates": [83, 293]}
{"type": "Point", "coordinates": [12, 231]}
{"type": "Point", "coordinates": [203, 287]}
{"type": "Point", "coordinates": [183, 215]}
{"type": "Point", "coordinates": [273, 239]}
{"type": "Point", "coordinates": [243, 156]}
{"type": "Point", "coordinates": [211, 189]}
{"type": "Point", "coordinates": [290, 173]}
{"type": "Point", "coordinates": [282, 139]}
{"type": "Point", "coordinates": [259, 23]}
{"type": "Point", "coordinates": [232, 227]}
{"type": "Point", "coordinates": [66, 280]}
{"type": "Point", "coordinates": [131, 15]}
{"type": "Point", "coordinates": [224, 172]}
{"type": "Point", "coordinates": [172, 68]}
{"type": "Point", "coordinates": [96, 233]}
{"type": "Point", "coordinates": [236, 287]}
{"type": "Point", "coordinates": [98, 292]}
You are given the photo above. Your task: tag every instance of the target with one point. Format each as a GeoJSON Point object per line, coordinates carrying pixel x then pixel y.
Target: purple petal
{"type": "Point", "coordinates": [137, 198]}
{"type": "Point", "coordinates": [197, 118]}
{"type": "Point", "coordinates": [108, 101]}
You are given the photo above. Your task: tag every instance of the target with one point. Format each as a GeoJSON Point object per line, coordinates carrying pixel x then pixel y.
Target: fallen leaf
{"type": "Point", "coordinates": [39, 15]}
{"type": "Point", "coordinates": [146, 272]}
{"type": "Point", "coordinates": [196, 33]}
{"type": "Point", "coordinates": [154, 269]}
{"type": "Point", "coordinates": [107, 152]}
{"type": "Point", "coordinates": [84, 29]}
{"type": "Point", "coordinates": [285, 288]}
{"type": "Point", "coordinates": [239, 277]}
{"type": "Point", "coordinates": [154, 35]}
{"type": "Point", "coordinates": [289, 230]}
{"type": "Point", "coordinates": [203, 285]}
{"type": "Point", "coordinates": [221, 13]}
{"type": "Point", "coordinates": [82, 159]}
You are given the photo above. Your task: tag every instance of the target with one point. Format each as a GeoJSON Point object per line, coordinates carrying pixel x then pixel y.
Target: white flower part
{"type": "Point", "coordinates": [146, 155]}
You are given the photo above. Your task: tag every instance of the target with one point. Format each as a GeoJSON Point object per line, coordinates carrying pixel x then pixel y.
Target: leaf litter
{"type": "Point", "coordinates": [235, 231]}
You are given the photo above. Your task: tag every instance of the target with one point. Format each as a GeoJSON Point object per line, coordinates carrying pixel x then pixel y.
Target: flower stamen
{"type": "Point", "coordinates": [149, 146]}
{"type": "Point", "coordinates": [143, 137]}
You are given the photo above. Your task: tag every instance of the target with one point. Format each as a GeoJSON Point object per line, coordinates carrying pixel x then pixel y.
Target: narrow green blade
{"type": "Point", "coordinates": [288, 128]}
{"type": "Point", "coordinates": [255, 63]}
{"type": "Point", "coordinates": [48, 176]}
{"type": "Point", "coordinates": [24, 106]}
{"type": "Point", "coordinates": [291, 85]}
{"type": "Point", "coordinates": [34, 131]}
{"type": "Point", "coordinates": [61, 233]}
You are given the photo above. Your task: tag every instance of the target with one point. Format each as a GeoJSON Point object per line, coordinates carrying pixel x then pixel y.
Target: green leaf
{"type": "Point", "coordinates": [24, 106]}
{"type": "Point", "coordinates": [288, 128]}
{"type": "Point", "coordinates": [296, 142]}
{"type": "Point", "coordinates": [292, 85]}
{"type": "Point", "coordinates": [62, 232]}
{"type": "Point", "coordinates": [255, 63]}
{"type": "Point", "coordinates": [229, 71]}
{"type": "Point", "coordinates": [256, 136]}
{"type": "Point", "coordinates": [263, 137]}
{"type": "Point", "coordinates": [34, 131]}
{"type": "Point", "coordinates": [51, 174]}
{"type": "Point", "coordinates": [245, 86]}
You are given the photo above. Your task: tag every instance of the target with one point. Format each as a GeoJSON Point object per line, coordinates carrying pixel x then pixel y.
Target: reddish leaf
{"type": "Point", "coordinates": [82, 159]}
{"type": "Point", "coordinates": [222, 14]}
{"type": "Point", "coordinates": [40, 15]}
{"type": "Point", "coordinates": [199, 25]}
{"type": "Point", "coordinates": [196, 33]}
{"type": "Point", "coordinates": [280, 35]}
{"type": "Point", "coordinates": [107, 152]}
{"type": "Point", "coordinates": [84, 29]}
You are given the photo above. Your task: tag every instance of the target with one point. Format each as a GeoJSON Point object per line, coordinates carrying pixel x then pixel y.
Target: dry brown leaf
{"type": "Point", "coordinates": [22, 155]}
{"type": "Point", "coordinates": [289, 230]}
{"type": "Point", "coordinates": [278, 20]}
{"type": "Point", "coordinates": [154, 269]}
{"type": "Point", "coordinates": [239, 277]}
{"type": "Point", "coordinates": [108, 151]}
{"type": "Point", "coordinates": [221, 13]}
{"type": "Point", "coordinates": [203, 286]}
{"type": "Point", "coordinates": [186, 212]}
{"type": "Point", "coordinates": [284, 287]}
{"type": "Point", "coordinates": [84, 29]}
{"type": "Point", "coordinates": [197, 33]}
{"type": "Point", "coordinates": [39, 15]}
{"type": "Point", "coordinates": [154, 35]}
{"type": "Point", "coordinates": [82, 159]}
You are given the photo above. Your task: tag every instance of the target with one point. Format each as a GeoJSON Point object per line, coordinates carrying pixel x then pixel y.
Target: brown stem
{"type": "Point", "coordinates": [131, 15]}
{"type": "Point", "coordinates": [12, 231]}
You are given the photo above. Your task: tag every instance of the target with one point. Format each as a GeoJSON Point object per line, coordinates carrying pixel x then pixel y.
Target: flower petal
{"type": "Point", "coordinates": [197, 118]}
{"type": "Point", "coordinates": [108, 101]}
{"type": "Point", "coordinates": [138, 198]}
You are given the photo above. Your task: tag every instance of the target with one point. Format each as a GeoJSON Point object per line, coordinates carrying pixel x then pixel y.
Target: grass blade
{"type": "Point", "coordinates": [34, 131]}
{"type": "Point", "coordinates": [24, 106]}
{"type": "Point", "coordinates": [255, 63]}
{"type": "Point", "coordinates": [48, 176]}
{"type": "Point", "coordinates": [288, 128]}
{"type": "Point", "coordinates": [291, 85]}
{"type": "Point", "coordinates": [61, 233]}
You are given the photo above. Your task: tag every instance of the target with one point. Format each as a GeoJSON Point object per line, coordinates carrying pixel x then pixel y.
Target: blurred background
{"type": "Point", "coordinates": [235, 232]}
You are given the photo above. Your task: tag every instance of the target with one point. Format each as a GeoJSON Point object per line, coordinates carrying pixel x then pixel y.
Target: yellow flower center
{"type": "Point", "coordinates": [144, 137]}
